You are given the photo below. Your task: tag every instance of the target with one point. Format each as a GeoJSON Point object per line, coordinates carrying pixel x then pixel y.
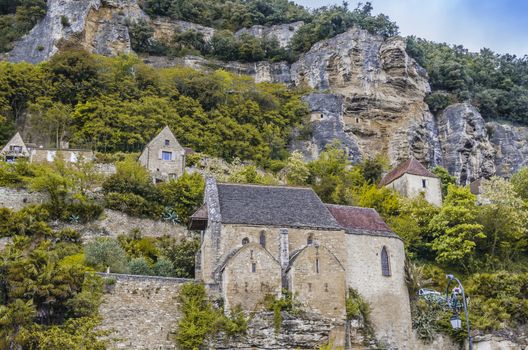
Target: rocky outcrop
{"type": "Point", "coordinates": [467, 151]}
{"type": "Point", "coordinates": [511, 147]}
{"type": "Point", "coordinates": [282, 32]}
{"type": "Point", "coordinates": [382, 91]}
{"type": "Point", "coordinates": [306, 331]}
{"type": "Point", "coordinates": [98, 26]}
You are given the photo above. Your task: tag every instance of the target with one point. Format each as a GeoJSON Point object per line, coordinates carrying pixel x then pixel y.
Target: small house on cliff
{"type": "Point", "coordinates": [16, 148]}
{"type": "Point", "coordinates": [164, 157]}
{"type": "Point", "coordinates": [258, 240]}
{"type": "Point", "coordinates": [411, 179]}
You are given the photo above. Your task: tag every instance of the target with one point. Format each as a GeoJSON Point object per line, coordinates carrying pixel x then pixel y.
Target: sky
{"type": "Point", "coordinates": [501, 25]}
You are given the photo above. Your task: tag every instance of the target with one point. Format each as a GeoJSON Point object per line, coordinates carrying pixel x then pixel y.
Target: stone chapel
{"type": "Point", "coordinates": [257, 240]}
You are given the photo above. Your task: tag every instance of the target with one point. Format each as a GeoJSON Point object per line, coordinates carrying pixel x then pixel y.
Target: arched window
{"type": "Point", "coordinates": [262, 239]}
{"type": "Point", "coordinates": [310, 239]}
{"type": "Point", "coordinates": [385, 264]}
{"type": "Point", "coordinates": [245, 241]}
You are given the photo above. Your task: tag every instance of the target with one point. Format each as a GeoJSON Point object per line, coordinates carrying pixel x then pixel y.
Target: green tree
{"type": "Point", "coordinates": [297, 171]}
{"type": "Point", "coordinates": [519, 181]}
{"type": "Point", "coordinates": [504, 217]}
{"type": "Point", "coordinates": [455, 228]}
{"type": "Point", "coordinates": [445, 178]}
{"type": "Point", "coordinates": [104, 252]}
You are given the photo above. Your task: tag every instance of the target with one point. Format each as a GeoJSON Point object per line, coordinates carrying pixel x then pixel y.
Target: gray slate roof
{"type": "Point", "coordinates": [273, 205]}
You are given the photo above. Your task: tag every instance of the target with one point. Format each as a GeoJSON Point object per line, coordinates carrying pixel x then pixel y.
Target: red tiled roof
{"type": "Point", "coordinates": [358, 218]}
{"type": "Point", "coordinates": [411, 166]}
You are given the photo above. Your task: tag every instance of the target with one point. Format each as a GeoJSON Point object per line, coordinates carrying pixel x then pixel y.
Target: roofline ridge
{"type": "Point", "coordinates": [264, 185]}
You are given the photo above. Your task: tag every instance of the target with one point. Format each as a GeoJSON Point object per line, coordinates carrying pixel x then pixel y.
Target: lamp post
{"type": "Point", "coordinates": [452, 302]}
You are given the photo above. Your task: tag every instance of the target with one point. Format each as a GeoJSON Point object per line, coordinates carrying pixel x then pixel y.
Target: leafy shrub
{"type": "Point", "coordinates": [105, 252]}
{"type": "Point", "coordinates": [163, 267]}
{"type": "Point", "coordinates": [133, 205]}
{"type": "Point", "coordinates": [359, 309]}
{"type": "Point", "coordinates": [139, 266]}
{"type": "Point", "coordinates": [181, 254]}
{"type": "Point", "coordinates": [201, 320]}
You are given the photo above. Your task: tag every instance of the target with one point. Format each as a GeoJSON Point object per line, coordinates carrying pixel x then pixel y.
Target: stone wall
{"type": "Point", "coordinates": [307, 331]}
{"type": "Point", "coordinates": [387, 295]}
{"type": "Point", "coordinates": [411, 186]}
{"type": "Point", "coordinates": [317, 279]}
{"type": "Point", "coordinates": [17, 199]}
{"type": "Point", "coordinates": [114, 223]}
{"type": "Point", "coordinates": [141, 311]}
{"type": "Point", "coordinates": [249, 276]}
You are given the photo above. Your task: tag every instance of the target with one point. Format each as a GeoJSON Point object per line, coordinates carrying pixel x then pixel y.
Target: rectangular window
{"type": "Point", "coordinates": [424, 183]}
{"type": "Point", "coordinates": [167, 142]}
{"type": "Point", "coordinates": [317, 265]}
{"type": "Point", "coordinates": [166, 155]}
{"type": "Point", "coordinates": [254, 267]}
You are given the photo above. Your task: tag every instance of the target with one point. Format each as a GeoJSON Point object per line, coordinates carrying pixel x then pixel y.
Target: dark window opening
{"type": "Point", "coordinates": [310, 239]}
{"type": "Point", "coordinates": [245, 241]}
{"type": "Point", "coordinates": [251, 253]}
{"type": "Point", "coordinates": [326, 287]}
{"type": "Point", "coordinates": [357, 120]}
{"type": "Point", "coordinates": [254, 267]}
{"type": "Point", "coordinates": [309, 287]}
{"type": "Point", "coordinates": [167, 142]}
{"type": "Point", "coordinates": [263, 239]}
{"type": "Point", "coordinates": [245, 286]}
{"type": "Point", "coordinates": [424, 183]}
{"type": "Point", "coordinates": [385, 265]}
{"type": "Point", "coordinates": [317, 265]}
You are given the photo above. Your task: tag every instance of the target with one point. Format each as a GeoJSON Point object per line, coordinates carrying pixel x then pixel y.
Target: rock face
{"type": "Point", "coordinates": [467, 151]}
{"type": "Point", "coordinates": [306, 331]}
{"type": "Point", "coordinates": [98, 26]}
{"type": "Point", "coordinates": [282, 32]}
{"type": "Point", "coordinates": [382, 96]}
{"type": "Point", "coordinates": [369, 94]}
{"type": "Point", "coordinates": [511, 147]}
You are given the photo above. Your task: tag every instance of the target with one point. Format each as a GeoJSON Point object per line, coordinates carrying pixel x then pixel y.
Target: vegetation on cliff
{"type": "Point", "coordinates": [17, 17]}
{"type": "Point", "coordinates": [227, 17]}
{"type": "Point", "coordinates": [118, 104]}
{"type": "Point", "coordinates": [496, 84]}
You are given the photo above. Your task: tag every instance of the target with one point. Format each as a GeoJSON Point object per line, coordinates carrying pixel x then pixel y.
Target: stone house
{"type": "Point", "coordinates": [411, 179]}
{"type": "Point", "coordinates": [164, 157]}
{"type": "Point", "coordinates": [257, 240]}
{"type": "Point", "coordinates": [16, 148]}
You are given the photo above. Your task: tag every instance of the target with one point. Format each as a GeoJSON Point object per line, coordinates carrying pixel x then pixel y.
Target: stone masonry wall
{"type": "Point", "coordinates": [248, 276]}
{"type": "Point", "coordinates": [141, 311]}
{"type": "Point", "coordinates": [17, 199]}
{"type": "Point", "coordinates": [114, 223]}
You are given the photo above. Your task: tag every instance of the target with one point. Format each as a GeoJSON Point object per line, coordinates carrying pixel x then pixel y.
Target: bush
{"type": "Point", "coordinates": [106, 252]}
{"type": "Point", "coordinates": [139, 266]}
{"type": "Point", "coordinates": [133, 205]}
{"type": "Point", "coordinates": [65, 21]}
{"type": "Point", "coordinates": [201, 320]}
{"type": "Point", "coordinates": [180, 254]}
{"type": "Point", "coordinates": [163, 267]}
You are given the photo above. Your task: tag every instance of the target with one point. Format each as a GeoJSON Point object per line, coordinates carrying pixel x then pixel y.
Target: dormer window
{"type": "Point", "coordinates": [424, 183]}
{"type": "Point", "coordinates": [167, 142]}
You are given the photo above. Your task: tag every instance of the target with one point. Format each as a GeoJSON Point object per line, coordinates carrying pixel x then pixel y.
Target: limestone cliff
{"type": "Point", "coordinates": [98, 26]}
{"type": "Point", "coordinates": [368, 93]}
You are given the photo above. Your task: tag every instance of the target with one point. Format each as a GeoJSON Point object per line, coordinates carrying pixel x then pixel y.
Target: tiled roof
{"type": "Point", "coordinates": [273, 205]}
{"type": "Point", "coordinates": [199, 219]}
{"type": "Point", "coordinates": [411, 166]}
{"type": "Point", "coordinates": [360, 220]}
